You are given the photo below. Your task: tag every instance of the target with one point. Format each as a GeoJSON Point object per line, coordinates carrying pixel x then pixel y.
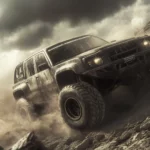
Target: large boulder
{"type": "Point", "coordinates": [28, 142]}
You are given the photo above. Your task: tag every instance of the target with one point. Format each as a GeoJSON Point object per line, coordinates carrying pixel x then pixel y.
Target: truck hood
{"type": "Point", "coordinates": [77, 60]}
{"type": "Point", "coordinates": [114, 44]}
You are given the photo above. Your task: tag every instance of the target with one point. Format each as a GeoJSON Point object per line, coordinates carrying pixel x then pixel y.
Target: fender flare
{"type": "Point", "coordinates": [65, 78]}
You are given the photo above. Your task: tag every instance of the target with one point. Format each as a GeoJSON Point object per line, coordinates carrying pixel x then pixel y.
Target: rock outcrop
{"type": "Point", "coordinates": [131, 137]}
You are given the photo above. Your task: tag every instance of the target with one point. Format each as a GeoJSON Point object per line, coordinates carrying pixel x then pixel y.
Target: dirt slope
{"type": "Point", "coordinates": [129, 130]}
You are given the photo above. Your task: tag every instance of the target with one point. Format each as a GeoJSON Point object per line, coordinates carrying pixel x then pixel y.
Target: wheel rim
{"type": "Point", "coordinates": [24, 114]}
{"type": "Point", "coordinates": [73, 109]}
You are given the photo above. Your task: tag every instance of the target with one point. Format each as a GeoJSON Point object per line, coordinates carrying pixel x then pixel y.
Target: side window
{"type": "Point", "coordinates": [19, 74]}
{"type": "Point", "coordinates": [30, 71]}
{"type": "Point", "coordinates": [41, 62]}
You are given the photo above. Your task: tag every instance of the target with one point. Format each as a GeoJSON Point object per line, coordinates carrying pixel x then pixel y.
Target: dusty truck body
{"type": "Point", "coordinates": [84, 72]}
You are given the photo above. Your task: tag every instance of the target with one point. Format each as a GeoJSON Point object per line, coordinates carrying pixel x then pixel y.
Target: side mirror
{"type": "Point", "coordinates": [43, 66]}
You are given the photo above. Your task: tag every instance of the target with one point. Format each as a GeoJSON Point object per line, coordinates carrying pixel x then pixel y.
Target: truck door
{"type": "Point", "coordinates": [45, 79]}
{"type": "Point", "coordinates": [33, 94]}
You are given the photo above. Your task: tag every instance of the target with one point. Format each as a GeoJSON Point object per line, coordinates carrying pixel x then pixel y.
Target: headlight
{"type": "Point", "coordinates": [95, 61]}
{"type": "Point", "coordinates": [146, 43]}
{"type": "Point", "coordinates": [98, 61]}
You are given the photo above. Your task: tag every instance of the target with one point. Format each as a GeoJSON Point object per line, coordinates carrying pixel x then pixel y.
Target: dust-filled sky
{"type": "Point", "coordinates": [30, 25]}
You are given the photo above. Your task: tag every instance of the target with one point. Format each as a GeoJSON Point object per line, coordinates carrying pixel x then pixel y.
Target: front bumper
{"type": "Point", "coordinates": [138, 57]}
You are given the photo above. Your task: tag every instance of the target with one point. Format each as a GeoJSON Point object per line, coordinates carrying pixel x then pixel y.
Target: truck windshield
{"type": "Point", "coordinates": [73, 48]}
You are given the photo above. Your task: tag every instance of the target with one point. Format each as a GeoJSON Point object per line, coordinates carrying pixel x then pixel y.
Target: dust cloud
{"type": "Point", "coordinates": [12, 127]}
{"type": "Point", "coordinates": [121, 25]}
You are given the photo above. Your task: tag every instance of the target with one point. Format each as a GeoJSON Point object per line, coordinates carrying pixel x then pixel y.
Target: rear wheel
{"type": "Point", "coordinates": [23, 111]}
{"type": "Point", "coordinates": [82, 106]}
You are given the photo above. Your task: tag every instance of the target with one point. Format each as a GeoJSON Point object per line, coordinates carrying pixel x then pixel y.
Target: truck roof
{"type": "Point", "coordinates": [60, 43]}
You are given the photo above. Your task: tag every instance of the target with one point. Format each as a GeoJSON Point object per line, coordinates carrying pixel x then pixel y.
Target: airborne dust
{"type": "Point", "coordinates": [12, 128]}
{"type": "Point", "coordinates": [122, 24]}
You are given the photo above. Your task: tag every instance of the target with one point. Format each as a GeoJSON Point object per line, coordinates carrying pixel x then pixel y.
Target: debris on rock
{"type": "Point", "coordinates": [84, 144]}
{"type": "Point", "coordinates": [125, 136]}
{"type": "Point", "coordinates": [131, 137]}
{"type": "Point", "coordinates": [137, 137]}
{"type": "Point", "coordinates": [29, 142]}
{"type": "Point", "coordinates": [146, 124]}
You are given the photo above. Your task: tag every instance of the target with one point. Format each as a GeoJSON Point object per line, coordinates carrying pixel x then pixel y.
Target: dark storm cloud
{"type": "Point", "coordinates": [20, 13]}
{"type": "Point", "coordinates": [31, 38]}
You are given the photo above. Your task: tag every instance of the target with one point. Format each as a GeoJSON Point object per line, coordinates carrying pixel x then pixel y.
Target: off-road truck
{"type": "Point", "coordinates": [87, 72]}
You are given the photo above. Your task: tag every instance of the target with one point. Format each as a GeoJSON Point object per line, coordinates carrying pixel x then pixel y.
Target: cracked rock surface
{"type": "Point", "coordinates": [121, 139]}
{"type": "Point", "coordinates": [130, 130]}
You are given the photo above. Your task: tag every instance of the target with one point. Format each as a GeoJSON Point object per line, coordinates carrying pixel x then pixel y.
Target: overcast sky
{"type": "Point", "coordinates": [30, 25]}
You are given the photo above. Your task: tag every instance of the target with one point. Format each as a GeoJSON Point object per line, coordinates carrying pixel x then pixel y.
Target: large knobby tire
{"type": "Point", "coordinates": [82, 106]}
{"type": "Point", "coordinates": [23, 111]}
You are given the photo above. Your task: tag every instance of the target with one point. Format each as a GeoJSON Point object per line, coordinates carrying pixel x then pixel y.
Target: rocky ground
{"type": "Point", "coordinates": [129, 130]}
{"type": "Point", "coordinates": [135, 135]}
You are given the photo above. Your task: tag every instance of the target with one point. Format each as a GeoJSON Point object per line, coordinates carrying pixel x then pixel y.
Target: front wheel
{"type": "Point", "coordinates": [82, 106]}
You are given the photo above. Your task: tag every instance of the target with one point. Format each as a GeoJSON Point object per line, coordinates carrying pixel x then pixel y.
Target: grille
{"type": "Point", "coordinates": [123, 51]}
{"type": "Point", "coordinates": [139, 59]}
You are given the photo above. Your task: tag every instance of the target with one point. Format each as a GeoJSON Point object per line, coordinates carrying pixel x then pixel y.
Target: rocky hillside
{"type": "Point", "coordinates": [132, 136]}
{"type": "Point", "coordinates": [129, 130]}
